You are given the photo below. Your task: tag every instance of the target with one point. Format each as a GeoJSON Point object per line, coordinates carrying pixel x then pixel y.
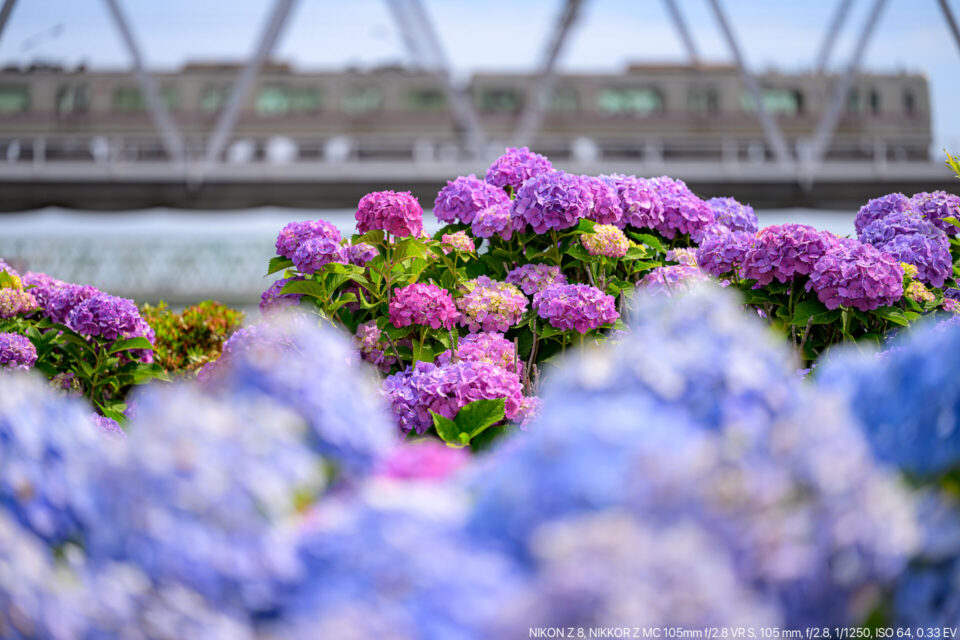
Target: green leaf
{"type": "Point", "coordinates": [952, 220]}
{"type": "Point", "coordinates": [73, 338]}
{"type": "Point", "coordinates": [278, 263]}
{"type": "Point", "coordinates": [310, 288]}
{"type": "Point", "coordinates": [447, 429]}
{"type": "Point", "coordinates": [130, 343]}
{"type": "Point", "coordinates": [651, 241]}
{"type": "Point", "coordinates": [8, 280]}
{"type": "Point", "coordinates": [815, 312]}
{"type": "Point", "coordinates": [422, 352]}
{"type": "Point", "coordinates": [585, 226]}
{"type": "Point", "coordinates": [578, 252]}
{"type": "Point", "coordinates": [473, 418]}
{"type": "Point", "coordinates": [546, 331]}
{"type": "Point", "coordinates": [891, 314]}
{"type": "Point", "coordinates": [343, 299]}
{"type": "Point", "coordinates": [635, 253]}
{"type": "Point", "coordinates": [152, 371]}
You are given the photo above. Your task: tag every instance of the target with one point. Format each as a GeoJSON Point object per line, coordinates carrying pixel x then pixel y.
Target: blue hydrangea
{"type": "Point", "coordinates": [733, 215]}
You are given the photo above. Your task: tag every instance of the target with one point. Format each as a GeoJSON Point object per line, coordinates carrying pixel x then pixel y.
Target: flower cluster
{"type": "Point", "coordinates": [606, 240]}
{"type": "Point", "coordinates": [42, 287]}
{"type": "Point", "coordinates": [936, 206]}
{"type": "Point", "coordinates": [396, 213]}
{"type": "Point", "coordinates": [272, 300]}
{"type": "Point", "coordinates": [639, 203]}
{"type": "Point", "coordinates": [360, 253]}
{"type": "Point", "coordinates": [734, 215]}
{"type": "Point", "coordinates": [368, 341]}
{"type": "Point", "coordinates": [462, 198]}
{"type": "Point", "coordinates": [931, 257]}
{"type": "Point", "coordinates": [314, 253]}
{"type": "Point", "coordinates": [109, 318]}
{"type": "Point", "coordinates": [672, 279]}
{"type": "Point", "coordinates": [854, 274]}
{"type": "Point", "coordinates": [606, 208]}
{"type": "Point", "coordinates": [458, 241]}
{"type": "Point", "coordinates": [489, 305]}
{"type": "Point", "coordinates": [722, 253]}
{"type": "Point", "coordinates": [552, 201]}
{"type": "Point", "coordinates": [918, 293]}
{"type": "Point", "coordinates": [885, 229]}
{"type": "Point", "coordinates": [16, 352]}
{"type": "Point", "coordinates": [16, 302]}
{"type": "Point", "coordinates": [515, 167]}
{"type": "Point", "coordinates": [495, 220]}
{"type": "Point", "coordinates": [880, 208]}
{"type": "Point", "coordinates": [64, 299]}
{"type": "Point", "coordinates": [445, 389]}
{"type": "Point", "coordinates": [683, 255]}
{"type": "Point", "coordinates": [683, 211]}
{"type": "Point", "coordinates": [486, 346]}
{"type": "Point", "coordinates": [784, 252]}
{"type": "Point", "coordinates": [535, 277]}
{"type": "Point", "coordinates": [423, 304]}
{"type": "Point", "coordinates": [575, 306]}
{"type": "Point", "coordinates": [296, 233]}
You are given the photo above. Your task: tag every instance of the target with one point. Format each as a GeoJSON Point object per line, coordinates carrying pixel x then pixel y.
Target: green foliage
{"type": "Point", "coordinates": [188, 340]}
{"type": "Point", "coordinates": [472, 420]}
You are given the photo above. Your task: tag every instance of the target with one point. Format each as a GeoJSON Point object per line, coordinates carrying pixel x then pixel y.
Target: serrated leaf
{"type": "Point", "coordinates": [585, 226]}
{"type": "Point", "coordinates": [278, 263]}
{"type": "Point", "coordinates": [310, 288]}
{"type": "Point", "coordinates": [130, 343]}
{"type": "Point", "coordinates": [343, 299]}
{"type": "Point", "coordinates": [891, 314]}
{"type": "Point", "coordinates": [815, 312]}
{"type": "Point", "coordinates": [476, 416]}
{"type": "Point", "coordinates": [578, 252]}
{"type": "Point", "coordinates": [951, 220]}
{"type": "Point", "coordinates": [446, 428]}
{"type": "Point", "coordinates": [651, 241]}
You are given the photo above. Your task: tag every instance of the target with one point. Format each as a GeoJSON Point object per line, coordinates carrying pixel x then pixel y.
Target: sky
{"type": "Point", "coordinates": [498, 35]}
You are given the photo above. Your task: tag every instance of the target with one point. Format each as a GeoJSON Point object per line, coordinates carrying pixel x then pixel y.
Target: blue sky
{"type": "Point", "coordinates": [496, 34]}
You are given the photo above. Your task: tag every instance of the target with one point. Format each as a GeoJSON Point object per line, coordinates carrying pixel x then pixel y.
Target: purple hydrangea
{"type": "Point", "coordinates": [423, 304]}
{"type": "Point", "coordinates": [606, 208]}
{"type": "Point", "coordinates": [575, 306]}
{"type": "Point", "coordinates": [784, 252]}
{"type": "Point", "coordinates": [5, 266]}
{"type": "Point", "coordinates": [885, 229]}
{"type": "Point", "coordinates": [495, 220]}
{"type": "Point", "coordinates": [273, 300]}
{"type": "Point", "coordinates": [880, 208]}
{"type": "Point", "coordinates": [489, 305]}
{"type": "Point", "coordinates": [372, 350]}
{"type": "Point", "coordinates": [315, 253]}
{"type": "Point", "coordinates": [672, 279]}
{"type": "Point", "coordinates": [722, 253]}
{"type": "Point", "coordinates": [111, 318]}
{"type": "Point", "coordinates": [64, 299]}
{"type": "Point", "coordinates": [552, 201]}
{"type": "Point", "coordinates": [397, 213]}
{"type": "Point", "coordinates": [486, 346]}
{"type": "Point", "coordinates": [734, 215]}
{"type": "Point", "coordinates": [936, 206]}
{"type": "Point", "coordinates": [683, 255]}
{"type": "Point", "coordinates": [458, 241]}
{"type": "Point", "coordinates": [16, 352]}
{"type": "Point", "coordinates": [462, 198]}
{"type": "Point", "coordinates": [515, 167]}
{"type": "Point", "coordinates": [857, 275]}
{"type": "Point", "coordinates": [532, 278]}
{"type": "Point", "coordinates": [295, 233]}
{"type": "Point", "coordinates": [445, 389]}
{"type": "Point", "coordinates": [108, 427]}
{"type": "Point", "coordinates": [16, 302]}
{"type": "Point", "coordinates": [606, 240]}
{"type": "Point", "coordinates": [683, 211]}
{"type": "Point", "coordinates": [931, 257]}
{"type": "Point", "coordinates": [639, 203]}
{"type": "Point", "coordinates": [42, 287]}
{"type": "Point", "coordinates": [360, 253]}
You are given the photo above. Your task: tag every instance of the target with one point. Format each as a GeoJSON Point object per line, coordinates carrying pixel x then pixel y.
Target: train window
{"type": "Point", "coordinates": [361, 99]}
{"type": "Point", "coordinates": [128, 99]}
{"type": "Point", "coordinates": [628, 100]}
{"type": "Point", "coordinates": [909, 102]}
{"type": "Point", "coordinates": [562, 99]}
{"type": "Point", "coordinates": [779, 102]}
{"type": "Point", "coordinates": [73, 99]}
{"type": "Point", "coordinates": [214, 97]}
{"type": "Point", "coordinates": [14, 98]}
{"type": "Point", "coordinates": [424, 99]}
{"type": "Point", "coordinates": [874, 101]}
{"type": "Point", "coordinates": [279, 101]}
{"type": "Point", "coordinates": [853, 101]}
{"type": "Point", "coordinates": [499, 99]}
{"type": "Point", "coordinates": [703, 101]}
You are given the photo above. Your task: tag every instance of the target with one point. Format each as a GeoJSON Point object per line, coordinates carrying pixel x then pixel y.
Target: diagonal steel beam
{"type": "Point", "coordinates": [532, 114]}
{"type": "Point", "coordinates": [683, 31]}
{"type": "Point", "coordinates": [771, 130]}
{"type": "Point", "coordinates": [227, 121]}
{"type": "Point", "coordinates": [169, 134]}
{"type": "Point", "coordinates": [5, 11]}
{"type": "Point", "coordinates": [831, 117]}
{"type": "Point", "coordinates": [830, 39]}
{"type": "Point", "coordinates": [947, 14]}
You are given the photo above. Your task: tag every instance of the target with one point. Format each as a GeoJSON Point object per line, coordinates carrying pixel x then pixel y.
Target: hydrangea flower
{"type": "Point", "coordinates": [315, 253]}
{"type": "Point", "coordinates": [495, 220]}
{"type": "Point", "coordinates": [5, 266]}
{"type": "Point", "coordinates": [532, 278]}
{"type": "Point", "coordinates": [931, 257]}
{"type": "Point", "coordinates": [734, 215]}
{"type": "Point", "coordinates": [919, 293]}
{"type": "Point", "coordinates": [552, 201]}
{"type": "Point", "coordinates": [885, 229]}
{"type": "Point", "coordinates": [445, 389]}
{"type": "Point", "coordinates": [458, 241]}
{"type": "Point", "coordinates": [683, 255]}
{"type": "Point", "coordinates": [722, 253]}
{"type": "Point", "coordinates": [854, 274]}
{"type": "Point", "coordinates": [272, 300]}
{"type": "Point", "coordinates": [606, 240]}
{"type": "Point", "coordinates": [42, 287]}
{"type": "Point", "coordinates": [464, 197]}
{"type": "Point", "coordinates": [16, 352]}
{"type": "Point", "coordinates": [515, 167]}
{"type": "Point", "coordinates": [424, 460]}
{"type": "Point", "coordinates": [64, 299]}
{"type": "Point", "coordinates": [880, 208]}
{"type": "Point", "coordinates": [575, 306]}
{"type": "Point", "coordinates": [16, 302]}
{"type": "Point", "coordinates": [683, 211]}
{"type": "Point", "coordinates": [108, 427]}
{"type": "Point", "coordinates": [936, 206]}
{"type": "Point", "coordinates": [672, 279]}
{"type": "Point", "coordinates": [296, 233]}
{"type": "Point", "coordinates": [360, 253]}
{"type": "Point", "coordinates": [784, 252]}
{"type": "Point", "coordinates": [397, 213]}
{"type": "Point", "coordinates": [487, 346]}
{"type": "Point", "coordinates": [367, 339]}
{"type": "Point", "coordinates": [489, 305]}
{"type": "Point", "coordinates": [640, 205]}
{"type": "Point", "coordinates": [528, 412]}
{"type": "Point", "coordinates": [109, 318]}
{"type": "Point", "coordinates": [423, 304]}
{"type": "Point", "coordinates": [606, 207]}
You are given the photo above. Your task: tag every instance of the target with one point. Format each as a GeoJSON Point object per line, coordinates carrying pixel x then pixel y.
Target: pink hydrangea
{"type": "Point", "coordinates": [462, 198]}
{"type": "Point", "coordinates": [294, 234]}
{"type": "Point", "coordinates": [551, 201]}
{"type": "Point", "coordinates": [606, 240]}
{"type": "Point", "coordinates": [16, 302]}
{"type": "Point", "coordinates": [486, 346]}
{"type": "Point", "coordinates": [396, 213]}
{"type": "Point", "coordinates": [784, 252]}
{"type": "Point", "coordinates": [606, 207]}
{"type": "Point", "coordinates": [575, 306]}
{"type": "Point", "coordinates": [360, 253]}
{"type": "Point", "coordinates": [426, 459]}
{"type": "Point", "coordinates": [423, 304]}
{"type": "Point", "coordinates": [368, 341]}
{"type": "Point", "coordinates": [458, 241]}
{"type": "Point", "coordinates": [854, 274]}
{"type": "Point", "coordinates": [532, 278]}
{"type": "Point", "coordinates": [683, 211]}
{"type": "Point", "coordinates": [683, 255]}
{"type": "Point", "coordinates": [491, 306]}
{"type": "Point", "coordinates": [493, 221]}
